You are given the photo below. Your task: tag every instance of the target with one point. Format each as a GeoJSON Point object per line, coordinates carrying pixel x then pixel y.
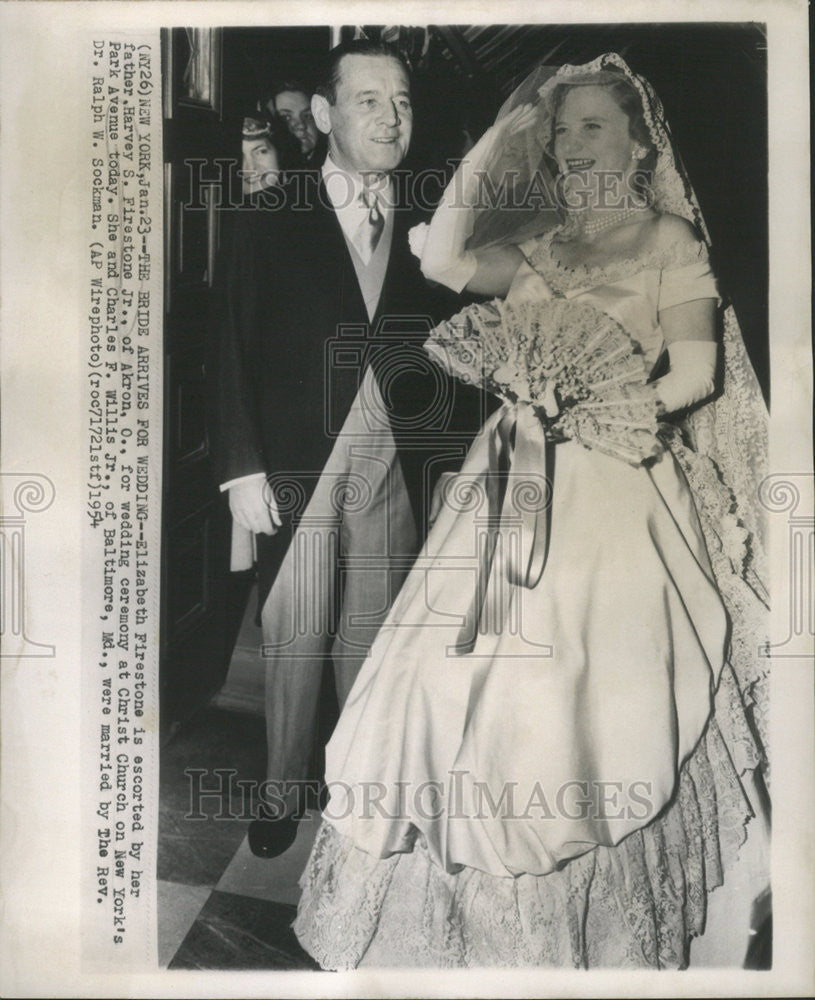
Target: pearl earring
{"type": "Point", "coordinates": [637, 153]}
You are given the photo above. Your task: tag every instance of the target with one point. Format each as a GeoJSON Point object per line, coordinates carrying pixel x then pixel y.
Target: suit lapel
{"type": "Point", "coordinates": [351, 306]}
{"type": "Point", "coordinates": [399, 267]}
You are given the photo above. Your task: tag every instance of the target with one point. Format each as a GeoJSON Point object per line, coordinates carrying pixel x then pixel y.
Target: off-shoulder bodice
{"type": "Point", "coordinates": [633, 290]}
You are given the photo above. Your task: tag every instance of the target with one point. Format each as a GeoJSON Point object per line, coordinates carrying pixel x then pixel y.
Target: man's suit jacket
{"type": "Point", "coordinates": [293, 339]}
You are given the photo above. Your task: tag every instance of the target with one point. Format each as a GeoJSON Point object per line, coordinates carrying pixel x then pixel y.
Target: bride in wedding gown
{"type": "Point", "coordinates": [547, 756]}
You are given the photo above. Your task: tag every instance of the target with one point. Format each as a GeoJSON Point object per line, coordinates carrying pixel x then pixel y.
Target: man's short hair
{"type": "Point", "coordinates": [285, 87]}
{"type": "Point", "coordinates": [330, 77]}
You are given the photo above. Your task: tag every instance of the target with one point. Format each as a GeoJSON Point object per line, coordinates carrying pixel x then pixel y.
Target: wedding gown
{"type": "Point", "coordinates": [549, 774]}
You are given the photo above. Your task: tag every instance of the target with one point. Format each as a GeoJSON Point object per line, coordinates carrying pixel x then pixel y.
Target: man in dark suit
{"type": "Point", "coordinates": [335, 425]}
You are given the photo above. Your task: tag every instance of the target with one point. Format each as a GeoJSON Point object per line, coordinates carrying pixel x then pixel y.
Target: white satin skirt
{"type": "Point", "coordinates": [544, 672]}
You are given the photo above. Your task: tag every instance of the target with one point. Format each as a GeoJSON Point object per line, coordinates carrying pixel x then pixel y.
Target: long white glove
{"type": "Point", "coordinates": [690, 379]}
{"type": "Point", "coordinates": [444, 257]}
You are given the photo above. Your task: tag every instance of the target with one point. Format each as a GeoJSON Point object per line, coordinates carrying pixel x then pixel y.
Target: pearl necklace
{"type": "Point", "coordinates": [592, 227]}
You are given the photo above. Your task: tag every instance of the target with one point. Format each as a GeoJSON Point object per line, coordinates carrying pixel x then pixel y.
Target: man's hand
{"type": "Point", "coordinates": [253, 506]}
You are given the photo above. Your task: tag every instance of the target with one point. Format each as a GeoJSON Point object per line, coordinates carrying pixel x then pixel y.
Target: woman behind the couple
{"type": "Point", "coordinates": [545, 759]}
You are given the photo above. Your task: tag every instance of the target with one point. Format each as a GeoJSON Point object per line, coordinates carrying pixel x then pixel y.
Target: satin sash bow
{"type": "Point", "coordinates": [525, 509]}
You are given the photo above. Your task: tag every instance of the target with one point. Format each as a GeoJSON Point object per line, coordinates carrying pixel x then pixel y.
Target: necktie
{"type": "Point", "coordinates": [370, 229]}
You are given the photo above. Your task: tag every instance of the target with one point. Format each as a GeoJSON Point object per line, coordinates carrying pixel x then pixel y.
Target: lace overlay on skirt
{"type": "Point", "coordinates": [637, 905]}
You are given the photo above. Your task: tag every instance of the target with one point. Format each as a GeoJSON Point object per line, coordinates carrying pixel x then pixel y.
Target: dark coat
{"type": "Point", "coordinates": [293, 340]}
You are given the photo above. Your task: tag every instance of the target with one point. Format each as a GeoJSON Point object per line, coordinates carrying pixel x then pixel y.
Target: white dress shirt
{"type": "Point", "coordinates": [344, 191]}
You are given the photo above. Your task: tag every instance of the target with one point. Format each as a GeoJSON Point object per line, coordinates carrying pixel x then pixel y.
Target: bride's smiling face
{"type": "Point", "coordinates": [592, 133]}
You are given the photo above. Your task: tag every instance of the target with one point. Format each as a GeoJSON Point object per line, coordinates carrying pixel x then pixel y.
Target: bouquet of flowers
{"type": "Point", "coordinates": [576, 365]}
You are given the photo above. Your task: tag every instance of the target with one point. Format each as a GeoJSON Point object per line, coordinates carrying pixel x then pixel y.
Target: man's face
{"type": "Point", "coordinates": [370, 124]}
{"type": "Point", "coordinates": [294, 108]}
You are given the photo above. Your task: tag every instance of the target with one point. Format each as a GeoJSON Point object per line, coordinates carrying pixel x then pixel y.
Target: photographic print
{"type": "Point", "coordinates": [429, 416]}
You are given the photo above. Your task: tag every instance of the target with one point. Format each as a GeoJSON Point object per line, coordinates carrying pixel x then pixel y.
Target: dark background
{"type": "Point", "coordinates": [711, 79]}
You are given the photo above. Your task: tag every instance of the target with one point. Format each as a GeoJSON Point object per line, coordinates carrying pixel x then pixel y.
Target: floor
{"type": "Point", "coordinates": [219, 906]}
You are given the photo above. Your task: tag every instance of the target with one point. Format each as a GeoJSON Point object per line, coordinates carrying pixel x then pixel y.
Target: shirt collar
{"type": "Point", "coordinates": [344, 188]}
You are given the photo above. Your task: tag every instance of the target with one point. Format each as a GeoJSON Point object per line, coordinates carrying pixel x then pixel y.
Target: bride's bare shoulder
{"type": "Point", "coordinates": [673, 231]}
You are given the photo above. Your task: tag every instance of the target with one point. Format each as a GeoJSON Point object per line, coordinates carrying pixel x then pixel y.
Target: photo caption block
{"type": "Point", "coordinates": [121, 530]}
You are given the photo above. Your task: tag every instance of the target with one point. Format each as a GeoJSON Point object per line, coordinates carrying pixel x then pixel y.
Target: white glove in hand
{"type": "Point", "coordinates": [253, 506]}
{"type": "Point", "coordinates": [690, 380]}
{"type": "Point", "coordinates": [444, 257]}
